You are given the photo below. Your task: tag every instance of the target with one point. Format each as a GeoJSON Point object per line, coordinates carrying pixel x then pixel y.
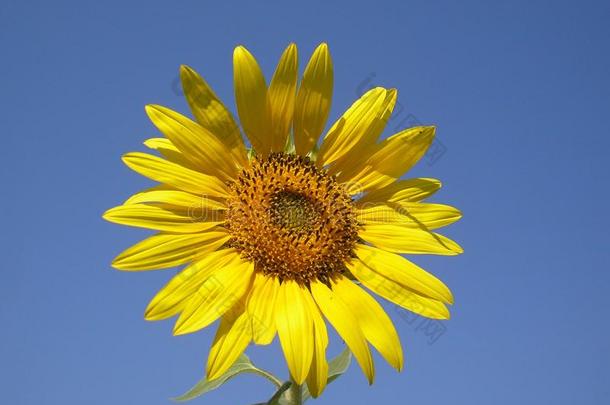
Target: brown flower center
{"type": "Point", "coordinates": [292, 219]}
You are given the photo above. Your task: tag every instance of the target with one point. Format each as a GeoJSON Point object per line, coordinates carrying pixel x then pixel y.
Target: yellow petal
{"type": "Point", "coordinates": [394, 156]}
{"type": "Point", "coordinates": [397, 293]}
{"type": "Point", "coordinates": [345, 321]}
{"type": "Point", "coordinates": [232, 337]}
{"type": "Point", "coordinates": [401, 271]}
{"type": "Point", "coordinates": [176, 219]}
{"type": "Point", "coordinates": [381, 213]}
{"type": "Point", "coordinates": [169, 151]}
{"type": "Point", "coordinates": [172, 298]}
{"type": "Point", "coordinates": [295, 328]}
{"type": "Point", "coordinates": [398, 238]}
{"type": "Point", "coordinates": [161, 144]}
{"type": "Point", "coordinates": [313, 100]}
{"type": "Point", "coordinates": [198, 145]}
{"type": "Point", "coordinates": [211, 113]}
{"type": "Point", "coordinates": [381, 119]}
{"type": "Point", "coordinates": [413, 215]}
{"type": "Point", "coordinates": [352, 127]}
{"type": "Point", "coordinates": [223, 289]}
{"type": "Point", "coordinates": [176, 197]}
{"type": "Point", "coordinates": [318, 371]}
{"type": "Point", "coordinates": [372, 319]}
{"type": "Point", "coordinates": [135, 199]}
{"type": "Point", "coordinates": [412, 190]}
{"type": "Point", "coordinates": [175, 175]}
{"type": "Point", "coordinates": [366, 145]}
{"type": "Point", "coordinates": [261, 308]}
{"type": "Point", "coordinates": [168, 250]}
{"type": "Point", "coordinates": [281, 97]}
{"type": "Point", "coordinates": [432, 216]}
{"type": "Point", "coordinates": [251, 99]}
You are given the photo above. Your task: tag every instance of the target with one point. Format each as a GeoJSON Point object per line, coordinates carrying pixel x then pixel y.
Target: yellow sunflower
{"type": "Point", "coordinates": [285, 234]}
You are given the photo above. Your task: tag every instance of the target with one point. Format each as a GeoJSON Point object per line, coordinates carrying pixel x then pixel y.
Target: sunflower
{"type": "Point", "coordinates": [282, 235]}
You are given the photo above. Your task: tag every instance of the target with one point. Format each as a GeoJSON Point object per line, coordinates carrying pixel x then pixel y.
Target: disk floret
{"type": "Point", "coordinates": [292, 219]}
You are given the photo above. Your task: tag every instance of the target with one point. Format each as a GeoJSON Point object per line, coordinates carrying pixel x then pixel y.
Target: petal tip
{"type": "Point", "coordinates": [117, 264]}
{"type": "Point", "coordinates": [179, 329]}
{"type": "Point", "coordinates": [152, 109]}
{"type": "Point", "coordinates": [214, 369]}
{"type": "Point", "coordinates": [149, 313]}
{"type": "Point", "coordinates": [240, 50]}
{"type": "Point", "coordinates": [457, 249]}
{"type": "Point", "coordinates": [106, 215]}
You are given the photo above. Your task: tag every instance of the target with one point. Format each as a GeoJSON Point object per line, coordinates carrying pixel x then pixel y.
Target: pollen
{"type": "Point", "coordinates": [292, 219]}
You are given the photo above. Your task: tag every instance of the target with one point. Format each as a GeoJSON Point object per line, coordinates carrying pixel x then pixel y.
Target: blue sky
{"type": "Point", "coordinates": [520, 94]}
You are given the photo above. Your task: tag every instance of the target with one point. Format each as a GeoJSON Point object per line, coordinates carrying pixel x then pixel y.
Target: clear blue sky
{"type": "Point", "coordinates": [520, 92]}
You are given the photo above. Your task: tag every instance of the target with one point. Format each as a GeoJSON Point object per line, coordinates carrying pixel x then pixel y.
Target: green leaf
{"type": "Point", "coordinates": [339, 364]}
{"type": "Point", "coordinates": [241, 365]}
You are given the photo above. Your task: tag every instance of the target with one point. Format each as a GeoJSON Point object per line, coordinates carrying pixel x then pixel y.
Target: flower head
{"type": "Point", "coordinates": [278, 237]}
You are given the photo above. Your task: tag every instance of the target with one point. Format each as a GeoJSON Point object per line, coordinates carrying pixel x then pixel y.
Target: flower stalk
{"type": "Point", "coordinates": [295, 394]}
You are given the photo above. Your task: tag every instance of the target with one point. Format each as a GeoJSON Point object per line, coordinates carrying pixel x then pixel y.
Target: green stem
{"type": "Point", "coordinates": [296, 394]}
{"type": "Point", "coordinates": [268, 376]}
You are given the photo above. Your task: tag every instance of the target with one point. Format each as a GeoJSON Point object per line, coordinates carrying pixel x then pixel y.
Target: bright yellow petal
{"type": "Point", "coordinates": [394, 157]}
{"type": "Point", "coordinates": [168, 250]}
{"type": "Point", "coordinates": [412, 190]}
{"type": "Point", "coordinates": [169, 151]}
{"type": "Point", "coordinates": [381, 213]}
{"type": "Point", "coordinates": [135, 199]}
{"type": "Point", "coordinates": [343, 319]}
{"type": "Point", "coordinates": [172, 298]}
{"type": "Point", "coordinates": [176, 197]}
{"type": "Point", "coordinates": [401, 271]}
{"type": "Point", "coordinates": [281, 97]}
{"type": "Point", "coordinates": [171, 219]}
{"type": "Point", "coordinates": [318, 372]}
{"type": "Point", "coordinates": [175, 175]}
{"type": "Point", "coordinates": [398, 238]}
{"type": "Point", "coordinates": [380, 120]}
{"type": "Point", "coordinates": [432, 216]}
{"type": "Point", "coordinates": [295, 328]}
{"type": "Point", "coordinates": [232, 337]}
{"type": "Point", "coordinates": [352, 127]}
{"type": "Point", "coordinates": [261, 308]}
{"type": "Point", "coordinates": [397, 293]}
{"type": "Point", "coordinates": [366, 145]}
{"type": "Point", "coordinates": [251, 99]}
{"type": "Point", "coordinates": [211, 113]}
{"type": "Point", "coordinates": [313, 100]}
{"type": "Point", "coordinates": [372, 319]}
{"type": "Point", "coordinates": [414, 215]}
{"type": "Point", "coordinates": [223, 289]}
{"type": "Point", "coordinates": [161, 144]}
{"type": "Point", "coordinates": [198, 145]}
